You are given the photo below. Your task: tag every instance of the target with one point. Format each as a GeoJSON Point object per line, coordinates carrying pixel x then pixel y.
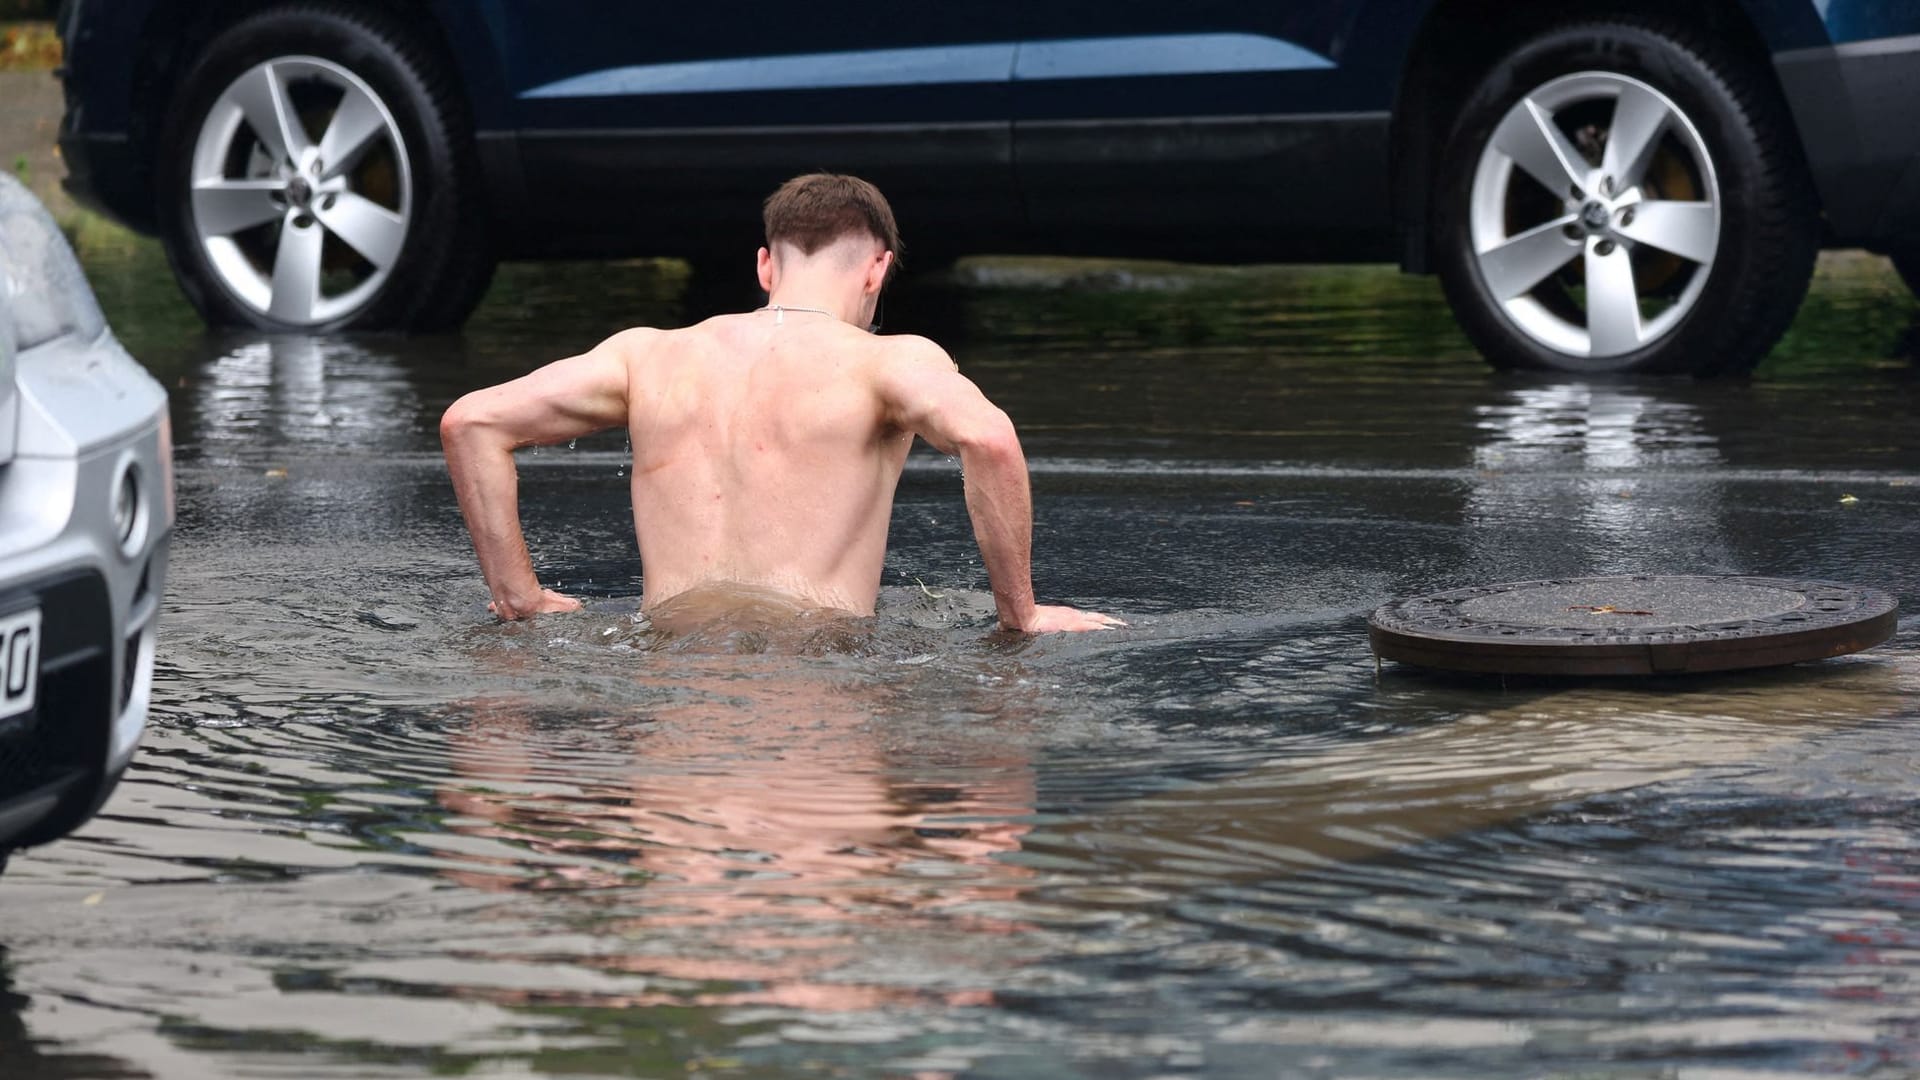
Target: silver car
{"type": "Point", "coordinates": [86, 509]}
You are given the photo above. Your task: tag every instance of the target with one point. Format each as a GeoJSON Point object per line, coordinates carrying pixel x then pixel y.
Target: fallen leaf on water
{"type": "Point", "coordinates": [1849, 499]}
{"type": "Point", "coordinates": [276, 474]}
{"type": "Point", "coordinates": [94, 899]}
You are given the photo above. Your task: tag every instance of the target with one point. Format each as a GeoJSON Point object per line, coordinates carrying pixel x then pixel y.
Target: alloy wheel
{"type": "Point", "coordinates": [1594, 214]}
{"type": "Point", "coordinates": [303, 230]}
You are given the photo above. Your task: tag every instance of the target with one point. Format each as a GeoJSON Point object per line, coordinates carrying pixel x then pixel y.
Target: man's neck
{"type": "Point", "coordinates": [814, 303]}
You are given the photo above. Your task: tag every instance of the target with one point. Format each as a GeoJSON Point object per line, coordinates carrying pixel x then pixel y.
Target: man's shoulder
{"type": "Point", "coordinates": [913, 349]}
{"type": "Point", "coordinates": [648, 346]}
{"type": "Point", "coordinates": [638, 338]}
{"type": "Point", "coordinates": [630, 344]}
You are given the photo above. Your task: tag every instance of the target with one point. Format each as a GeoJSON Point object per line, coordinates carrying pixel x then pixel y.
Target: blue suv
{"type": "Point", "coordinates": [1601, 186]}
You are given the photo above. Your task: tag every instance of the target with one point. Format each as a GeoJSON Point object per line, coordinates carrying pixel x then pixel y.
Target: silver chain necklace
{"type": "Point", "coordinates": [780, 312]}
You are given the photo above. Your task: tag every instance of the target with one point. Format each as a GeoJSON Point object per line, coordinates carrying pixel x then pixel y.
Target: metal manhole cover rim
{"type": "Point", "coordinates": [1836, 618]}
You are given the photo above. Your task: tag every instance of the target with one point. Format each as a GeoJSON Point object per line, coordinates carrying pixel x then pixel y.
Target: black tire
{"type": "Point", "coordinates": [1768, 232]}
{"type": "Point", "coordinates": [445, 259]}
{"type": "Point", "coordinates": [1908, 263]}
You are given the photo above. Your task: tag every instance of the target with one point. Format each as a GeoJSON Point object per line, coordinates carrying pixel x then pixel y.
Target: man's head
{"type": "Point", "coordinates": [841, 220]}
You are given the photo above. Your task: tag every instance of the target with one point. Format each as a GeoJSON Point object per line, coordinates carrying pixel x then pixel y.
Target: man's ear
{"type": "Point", "coordinates": [764, 265]}
{"type": "Point", "coordinates": [877, 271]}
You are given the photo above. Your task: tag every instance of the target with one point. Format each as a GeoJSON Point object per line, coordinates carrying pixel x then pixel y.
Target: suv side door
{"type": "Point", "coordinates": [679, 121]}
{"type": "Point", "coordinates": [1206, 128]}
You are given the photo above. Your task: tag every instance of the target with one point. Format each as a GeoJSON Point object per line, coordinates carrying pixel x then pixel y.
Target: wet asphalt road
{"type": "Point", "coordinates": [371, 833]}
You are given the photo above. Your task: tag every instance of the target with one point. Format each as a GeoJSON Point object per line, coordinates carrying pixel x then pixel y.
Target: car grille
{"type": "Point", "coordinates": [65, 738]}
{"type": "Point", "coordinates": [36, 758]}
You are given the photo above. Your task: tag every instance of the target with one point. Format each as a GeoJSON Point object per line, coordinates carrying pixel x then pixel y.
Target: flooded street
{"type": "Point", "coordinates": [373, 833]}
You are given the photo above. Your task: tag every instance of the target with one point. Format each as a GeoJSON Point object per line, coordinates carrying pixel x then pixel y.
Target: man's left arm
{"type": "Point", "coordinates": [563, 400]}
{"type": "Point", "coordinates": [926, 394]}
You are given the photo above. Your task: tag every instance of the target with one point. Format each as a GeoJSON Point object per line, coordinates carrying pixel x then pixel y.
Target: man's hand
{"type": "Point", "coordinates": [547, 601]}
{"type": "Point", "coordinates": [1055, 618]}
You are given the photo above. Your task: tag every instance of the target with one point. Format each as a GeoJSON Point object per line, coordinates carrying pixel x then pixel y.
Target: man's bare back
{"type": "Point", "coordinates": [766, 451]}
{"type": "Point", "coordinates": [766, 446]}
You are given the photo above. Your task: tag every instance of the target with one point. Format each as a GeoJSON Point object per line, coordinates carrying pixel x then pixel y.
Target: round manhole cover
{"type": "Point", "coordinates": [1638, 625]}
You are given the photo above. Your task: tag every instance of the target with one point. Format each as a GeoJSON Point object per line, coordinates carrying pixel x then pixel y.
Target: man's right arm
{"type": "Point", "coordinates": [563, 400]}
{"type": "Point", "coordinates": [926, 394]}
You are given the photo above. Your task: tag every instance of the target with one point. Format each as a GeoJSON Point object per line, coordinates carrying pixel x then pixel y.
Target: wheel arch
{"type": "Point", "coordinates": [1460, 39]}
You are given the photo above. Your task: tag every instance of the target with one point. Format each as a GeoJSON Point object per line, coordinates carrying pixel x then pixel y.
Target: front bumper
{"type": "Point", "coordinates": [86, 508]}
{"type": "Point", "coordinates": [1859, 119]}
{"type": "Point", "coordinates": [98, 608]}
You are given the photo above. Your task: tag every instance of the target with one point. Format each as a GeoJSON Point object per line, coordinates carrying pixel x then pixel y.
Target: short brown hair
{"type": "Point", "coordinates": [814, 210]}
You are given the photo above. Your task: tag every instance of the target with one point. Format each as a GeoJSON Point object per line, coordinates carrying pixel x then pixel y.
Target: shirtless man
{"type": "Point", "coordinates": [766, 445]}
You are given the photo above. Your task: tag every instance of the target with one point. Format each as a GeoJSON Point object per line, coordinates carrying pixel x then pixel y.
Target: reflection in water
{"type": "Point", "coordinates": [1593, 427]}
{"type": "Point", "coordinates": [294, 393]}
{"type": "Point", "coordinates": [764, 825]}
{"type": "Point", "coordinates": [1576, 454]}
{"type": "Point", "coordinates": [943, 856]}
{"type": "Point", "coordinates": [1346, 800]}
{"type": "Point", "coordinates": [22, 1054]}
{"type": "Point", "coordinates": [374, 834]}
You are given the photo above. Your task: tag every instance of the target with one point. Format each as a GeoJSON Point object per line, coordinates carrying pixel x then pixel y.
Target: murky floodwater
{"type": "Point", "coordinates": [372, 833]}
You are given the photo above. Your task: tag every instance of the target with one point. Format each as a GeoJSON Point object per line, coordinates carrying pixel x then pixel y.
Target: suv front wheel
{"type": "Point", "coordinates": [316, 174]}
{"type": "Point", "coordinates": [1619, 197]}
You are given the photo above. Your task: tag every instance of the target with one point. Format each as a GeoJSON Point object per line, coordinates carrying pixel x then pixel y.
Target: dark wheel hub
{"type": "Point", "coordinates": [299, 192]}
{"type": "Point", "coordinates": [1594, 216]}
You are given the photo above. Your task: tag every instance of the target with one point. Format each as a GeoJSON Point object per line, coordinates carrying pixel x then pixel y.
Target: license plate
{"type": "Point", "coordinates": [19, 662]}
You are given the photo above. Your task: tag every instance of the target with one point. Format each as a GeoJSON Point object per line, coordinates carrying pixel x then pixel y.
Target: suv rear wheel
{"type": "Point", "coordinates": [1619, 197]}
{"type": "Point", "coordinates": [316, 175]}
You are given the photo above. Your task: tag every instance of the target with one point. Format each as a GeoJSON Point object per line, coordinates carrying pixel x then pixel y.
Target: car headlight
{"type": "Point", "coordinates": [49, 293]}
